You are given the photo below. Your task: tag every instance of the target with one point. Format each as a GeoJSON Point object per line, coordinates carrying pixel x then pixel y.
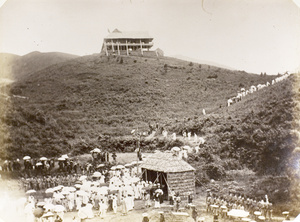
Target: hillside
{"type": "Point", "coordinates": [84, 100]}
{"type": "Point", "coordinates": [15, 67]}
{"type": "Point", "coordinates": [94, 101]}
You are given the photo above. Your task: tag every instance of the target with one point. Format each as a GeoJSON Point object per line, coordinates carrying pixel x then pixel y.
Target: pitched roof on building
{"type": "Point", "coordinates": [166, 162]}
{"type": "Point", "coordinates": [117, 34]}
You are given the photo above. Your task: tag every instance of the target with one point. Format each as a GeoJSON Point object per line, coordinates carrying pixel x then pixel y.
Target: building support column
{"type": "Point", "coordinates": [118, 48]}
{"type": "Point", "coordinates": [112, 45]}
{"type": "Point", "coordinates": [105, 48]}
{"type": "Point", "coordinates": [141, 46]}
{"type": "Point", "coordinates": [127, 48]}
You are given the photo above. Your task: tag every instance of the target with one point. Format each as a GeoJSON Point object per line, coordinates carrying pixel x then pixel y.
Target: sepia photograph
{"type": "Point", "coordinates": [149, 110]}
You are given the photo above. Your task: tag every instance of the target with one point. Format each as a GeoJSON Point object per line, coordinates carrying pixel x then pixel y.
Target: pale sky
{"type": "Point", "coordinates": [251, 35]}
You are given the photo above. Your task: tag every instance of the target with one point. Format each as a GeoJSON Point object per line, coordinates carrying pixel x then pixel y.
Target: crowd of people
{"type": "Point", "coordinates": [112, 189]}
{"type": "Point", "coordinates": [244, 92]}
{"type": "Point", "coordinates": [222, 205]}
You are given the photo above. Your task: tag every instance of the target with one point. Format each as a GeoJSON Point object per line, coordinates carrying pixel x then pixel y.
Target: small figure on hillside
{"type": "Point", "coordinates": [174, 136]}
{"type": "Point", "coordinates": [114, 156]}
{"type": "Point", "coordinates": [162, 216]}
{"type": "Point", "coordinates": [190, 198]}
{"type": "Point", "coordinates": [194, 213]}
{"type": "Point", "coordinates": [177, 201]}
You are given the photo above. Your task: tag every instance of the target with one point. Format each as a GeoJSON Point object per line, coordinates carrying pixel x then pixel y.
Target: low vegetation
{"type": "Point", "coordinates": [95, 101]}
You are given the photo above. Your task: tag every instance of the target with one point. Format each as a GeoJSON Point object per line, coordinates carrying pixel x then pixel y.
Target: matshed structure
{"type": "Point", "coordinates": [126, 43]}
{"type": "Point", "coordinates": [173, 173]}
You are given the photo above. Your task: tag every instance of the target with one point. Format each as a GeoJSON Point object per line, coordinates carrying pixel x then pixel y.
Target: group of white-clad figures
{"type": "Point", "coordinates": [253, 89]}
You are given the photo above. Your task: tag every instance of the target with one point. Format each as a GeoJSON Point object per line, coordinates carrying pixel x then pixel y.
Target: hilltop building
{"type": "Point", "coordinates": [129, 43]}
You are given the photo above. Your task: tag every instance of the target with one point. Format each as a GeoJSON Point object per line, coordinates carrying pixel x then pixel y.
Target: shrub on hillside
{"type": "Point", "coordinates": [215, 171]}
{"type": "Point", "coordinates": [212, 76]}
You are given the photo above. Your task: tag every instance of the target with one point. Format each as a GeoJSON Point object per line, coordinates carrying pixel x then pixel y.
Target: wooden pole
{"type": "Point", "coordinates": [127, 48]}
{"type": "Point", "coordinates": [141, 46]}
{"type": "Point", "coordinates": [118, 48]}
{"type": "Point", "coordinates": [105, 48]}
{"type": "Point", "coordinates": [112, 45]}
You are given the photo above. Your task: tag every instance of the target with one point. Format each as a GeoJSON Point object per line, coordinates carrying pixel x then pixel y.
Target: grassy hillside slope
{"type": "Point", "coordinates": [93, 100]}
{"type": "Point", "coordinates": [15, 67]}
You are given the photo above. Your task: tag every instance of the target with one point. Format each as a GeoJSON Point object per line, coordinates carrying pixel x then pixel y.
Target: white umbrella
{"type": "Point", "coordinates": [61, 159]}
{"type": "Point", "coordinates": [43, 158]}
{"type": "Point", "coordinates": [48, 214]}
{"type": "Point", "coordinates": [26, 158]}
{"type": "Point", "coordinates": [40, 203]}
{"type": "Point", "coordinates": [120, 167]}
{"type": "Point", "coordinates": [58, 208]}
{"type": "Point", "coordinates": [49, 190]}
{"type": "Point", "coordinates": [77, 185]}
{"type": "Point", "coordinates": [96, 150]}
{"type": "Point", "coordinates": [70, 189]}
{"type": "Point", "coordinates": [238, 213]}
{"type": "Point", "coordinates": [58, 187]}
{"type": "Point", "coordinates": [65, 192]}
{"type": "Point", "coordinates": [30, 191]}
{"type": "Point", "coordinates": [65, 156]}
{"type": "Point", "coordinates": [186, 147]}
{"type": "Point", "coordinates": [48, 206]}
{"type": "Point", "coordinates": [81, 193]}
{"type": "Point", "coordinates": [175, 148]}
{"type": "Point", "coordinates": [97, 174]}
{"type": "Point", "coordinates": [102, 190]}
{"type": "Point", "coordinates": [59, 196]}
{"type": "Point", "coordinates": [39, 164]}
{"type": "Point", "coordinates": [83, 177]}
{"type": "Point", "coordinates": [113, 168]}
{"type": "Point", "coordinates": [101, 165]}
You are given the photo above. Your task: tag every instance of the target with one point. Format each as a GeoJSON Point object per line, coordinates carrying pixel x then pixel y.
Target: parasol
{"type": "Point", "coordinates": [77, 186]}
{"type": "Point", "coordinates": [58, 208]}
{"type": "Point", "coordinates": [26, 158]}
{"type": "Point", "coordinates": [30, 191]}
{"type": "Point", "coordinates": [43, 158]}
{"type": "Point", "coordinates": [96, 174]}
{"type": "Point", "coordinates": [59, 196]}
{"type": "Point", "coordinates": [48, 214]}
{"type": "Point", "coordinates": [186, 147]}
{"type": "Point", "coordinates": [71, 189]}
{"type": "Point", "coordinates": [65, 156]}
{"type": "Point", "coordinates": [128, 165]}
{"type": "Point", "coordinates": [65, 192]}
{"type": "Point", "coordinates": [48, 206]}
{"type": "Point", "coordinates": [120, 167]}
{"type": "Point", "coordinates": [61, 159]}
{"type": "Point", "coordinates": [83, 177]}
{"type": "Point", "coordinates": [101, 165]}
{"type": "Point", "coordinates": [96, 150]}
{"type": "Point", "coordinates": [238, 213]}
{"type": "Point", "coordinates": [40, 204]}
{"type": "Point", "coordinates": [39, 164]}
{"type": "Point", "coordinates": [175, 148]}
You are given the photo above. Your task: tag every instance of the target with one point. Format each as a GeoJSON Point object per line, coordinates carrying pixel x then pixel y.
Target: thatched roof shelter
{"type": "Point", "coordinates": [174, 174]}
{"type": "Point", "coordinates": [166, 162]}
